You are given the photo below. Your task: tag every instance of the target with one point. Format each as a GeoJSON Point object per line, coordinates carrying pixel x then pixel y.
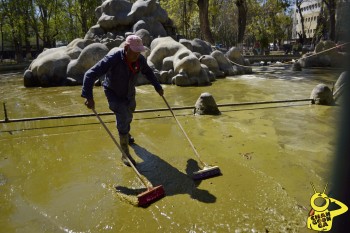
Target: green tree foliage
{"type": "Point", "coordinates": [12, 15]}
{"type": "Point", "coordinates": [44, 22]}
{"type": "Point", "coordinates": [185, 16]}
{"type": "Point", "coordinates": [35, 22]}
{"type": "Point", "coordinates": [224, 22]}
{"type": "Point", "coordinates": [268, 21]}
{"type": "Point", "coordinates": [233, 22]}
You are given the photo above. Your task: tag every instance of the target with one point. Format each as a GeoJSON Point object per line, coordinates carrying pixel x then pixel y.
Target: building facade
{"type": "Point", "coordinates": [311, 11]}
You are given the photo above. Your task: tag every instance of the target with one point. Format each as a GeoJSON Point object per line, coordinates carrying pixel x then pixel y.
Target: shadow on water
{"type": "Point", "coordinates": [174, 182]}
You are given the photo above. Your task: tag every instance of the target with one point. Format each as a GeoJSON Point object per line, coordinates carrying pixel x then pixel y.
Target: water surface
{"type": "Point", "coordinates": [61, 175]}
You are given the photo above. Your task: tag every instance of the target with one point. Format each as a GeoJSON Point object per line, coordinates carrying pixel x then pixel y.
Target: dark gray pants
{"type": "Point", "coordinates": [123, 109]}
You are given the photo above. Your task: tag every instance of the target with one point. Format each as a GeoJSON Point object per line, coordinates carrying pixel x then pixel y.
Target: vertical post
{"type": "Point", "coordinates": [5, 112]}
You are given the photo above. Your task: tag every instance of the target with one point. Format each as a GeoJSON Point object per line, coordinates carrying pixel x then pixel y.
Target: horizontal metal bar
{"type": "Point", "coordinates": [7, 120]}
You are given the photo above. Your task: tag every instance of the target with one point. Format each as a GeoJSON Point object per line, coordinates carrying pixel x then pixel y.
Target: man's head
{"type": "Point", "coordinates": [133, 47]}
{"type": "Point", "coordinates": [135, 43]}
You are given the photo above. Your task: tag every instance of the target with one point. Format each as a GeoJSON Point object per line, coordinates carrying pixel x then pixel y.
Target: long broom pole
{"type": "Point", "coordinates": [146, 183]}
{"type": "Point", "coordinates": [188, 139]}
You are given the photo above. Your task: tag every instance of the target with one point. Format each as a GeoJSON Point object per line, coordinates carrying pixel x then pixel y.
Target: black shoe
{"type": "Point", "coordinates": [126, 161]}
{"type": "Point", "coordinates": [131, 139]}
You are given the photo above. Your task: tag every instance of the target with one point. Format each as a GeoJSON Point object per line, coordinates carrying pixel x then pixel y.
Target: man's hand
{"type": "Point", "coordinates": [160, 92]}
{"type": "Point", "coordinates": [90, 103]}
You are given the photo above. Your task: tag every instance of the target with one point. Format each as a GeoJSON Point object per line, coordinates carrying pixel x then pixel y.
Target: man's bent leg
{"type": "Point", "coordinates": [123, 126]}
{"type": "Point", "coordinates": [123, 119]}
{"type": "Point", "coordinates": [132, 107]}
{"type": "Point", "coordinates": [124, 144]}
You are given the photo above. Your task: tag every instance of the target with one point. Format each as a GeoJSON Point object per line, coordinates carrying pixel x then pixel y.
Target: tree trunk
{"type": "Point", "coordinates": [242, 19]}
{"type": "Point", "coordinates": [331, 7]}
{"type": "Point", "coordinates": [302, 35]}
{"type": "Point", "coordinates": [203, 6]}
{"type": "Point", "coordinates": [83, 15]}
{"type": "Point", "coordinates": [18, 47]}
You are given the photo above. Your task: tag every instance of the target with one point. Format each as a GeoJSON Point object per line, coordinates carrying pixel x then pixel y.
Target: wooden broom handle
{"type": "Point", "coordinates": [194, 149]}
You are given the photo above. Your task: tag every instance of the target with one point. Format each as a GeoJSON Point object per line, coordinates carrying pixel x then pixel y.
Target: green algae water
{"type": "Point", "coordinates": [66, 175]}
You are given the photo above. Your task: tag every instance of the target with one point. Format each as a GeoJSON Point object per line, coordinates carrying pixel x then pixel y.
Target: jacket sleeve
{"type": "Point", "coordinates": [148, 72]}
{"type": "Point", "coordinates": [99, 69]}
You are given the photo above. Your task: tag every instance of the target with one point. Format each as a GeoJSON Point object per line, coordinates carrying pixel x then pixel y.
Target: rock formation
{"type": "Point", "coordinates": [183, 63]}
{"type": "Point", "coordinates": [325, 54]}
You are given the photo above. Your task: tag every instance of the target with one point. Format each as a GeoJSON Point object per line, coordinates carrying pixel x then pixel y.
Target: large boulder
{"type": "Point", "coordinates": [116, 20]}
{"type": "Point", "coordinates": [88, 57]}
{"type": "Point", "coordinates": [241, 65]}
{"type": "Point", "coordinates": [224, 63]}
{"type": "Point", "coordinates": [168, 54]}
{"type": "Point", "coordinates": [340, 86]}
{"type": "Point", "coordinates": [95, 31]}
{"type": "Point", "coordinates": [150, 24]}
{"type": "Point", "coordinates": [114, 14]}
{"type": "Point", "coordinates": [235, 55]}
{"type": "Point", "coordinates": [206, 105]}
{"type": "Point", "coordinates": [49, 68]}
{"type": "Point", "coordinates": [190, 62]}
{"type": "Point", "coordinates": [322, 95]}
{"type": "Point", "coordinates": [75, 47]}
{"type": "Point", "coordinates": [186, 43]}
{"type": "Point", "coordinates": [325, 54]}
{"type": "Point", "coordinates": [148, 8]}
{"type": "Point", "coordinates": [212, 65]}
{"type": "Point", "coordinates": [200, 46]}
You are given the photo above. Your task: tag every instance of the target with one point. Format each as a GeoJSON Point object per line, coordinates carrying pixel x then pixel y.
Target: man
{"type": "Point", "coordinates": [121, 68]}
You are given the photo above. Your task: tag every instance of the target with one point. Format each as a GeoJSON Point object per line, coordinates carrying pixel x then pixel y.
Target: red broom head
{"type": "Point", "coordinates": [151, 195]}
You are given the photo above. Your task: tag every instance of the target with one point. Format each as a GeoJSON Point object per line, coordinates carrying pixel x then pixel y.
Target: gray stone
{"type": "Point", "coordinates": [340, 86]}
{"type": "Point", "coordinates": [325, 54]}
{"type": "Point", "coordinates": [88, 57]}
{"type": "Point", "coordinates": [234, 54]}
{"type": "Point", "coordinates": [145, 36]}
{"type": "Point", "coordinates": [201, 46]}
{"type": "Point", "coordinates": [29, 80]}
{"type": "Point", "coordinates": [172, 62]}
{"type": "Point", "coordinates": [296, 67]}
{"type": "Point", "coordinates": [322, 95]}
{"type": "Point", "coordinates": [212, 65]}
{"type": "Point", "coordinates": [206, 105]}
{"type": "Point", "coordinates": [224, 63]}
